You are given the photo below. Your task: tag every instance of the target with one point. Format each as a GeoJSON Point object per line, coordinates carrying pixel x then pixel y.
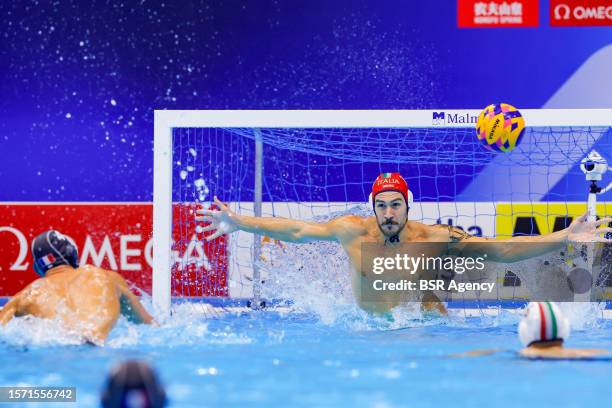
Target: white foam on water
{"type": "Point", "coordinates": [187, 326]}
{"type": "Point", "coordinates": [29, 330]}
{"type": "Point", "coordinates": [583, 315]}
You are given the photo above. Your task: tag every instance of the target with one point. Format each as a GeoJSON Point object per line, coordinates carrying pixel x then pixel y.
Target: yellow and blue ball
{"type": "Point", "coordinates": [500, 127]}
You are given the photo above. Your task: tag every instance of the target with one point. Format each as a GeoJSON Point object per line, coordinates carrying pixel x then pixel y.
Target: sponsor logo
{"type": "Point", "coordinates": [537, 218]}
{"type": "Point", "coordinates": [453, 118]}
{"type": "Point", "coordinates": [438, 118]}
{"type": "Point", "coordinates": [496, 13]}
{"type": "Point", "coordinates": [580, 13]}
{"type": "Point", "coordinates": [120, 240]}
{"type": "Point", "coordinates": [562, 12]}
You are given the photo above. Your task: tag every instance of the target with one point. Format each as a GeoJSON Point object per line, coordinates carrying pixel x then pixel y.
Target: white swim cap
{"type": "Point", "coordinates": [543, 322]}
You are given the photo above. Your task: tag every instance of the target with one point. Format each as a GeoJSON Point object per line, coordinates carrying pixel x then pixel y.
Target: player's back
{"type": "Point", "coordinates": [86, 299]}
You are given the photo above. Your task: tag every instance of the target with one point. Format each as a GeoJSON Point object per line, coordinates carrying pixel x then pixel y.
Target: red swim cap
{"type": "Point", "coordinates": [390, 182]}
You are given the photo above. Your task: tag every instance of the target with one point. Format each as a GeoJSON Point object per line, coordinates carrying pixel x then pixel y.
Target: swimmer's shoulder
{"type": "Point", "coordinates": [417, 231]}
{"type": "Point", "coordinates": [28, 296]}
{"type": "Point", "coordinates": [353, 224]}
{"type": "Point", "coordinates": [438, 228]}
{"type": "Point", "coordinates": [92, 270]}
{"type": "Point", "coordinates": [444, 233]}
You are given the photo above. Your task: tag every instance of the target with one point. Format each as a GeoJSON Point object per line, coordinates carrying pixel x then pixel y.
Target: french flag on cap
{"type": "Point", "coordinates": [47, 260]}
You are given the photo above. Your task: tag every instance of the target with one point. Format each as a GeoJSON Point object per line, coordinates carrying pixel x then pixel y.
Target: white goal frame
{"type": "Point", "coordinates": [166, 120]}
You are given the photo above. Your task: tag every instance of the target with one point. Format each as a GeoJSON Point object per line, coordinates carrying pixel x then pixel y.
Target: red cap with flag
{"type": "Point", "coordinates": [390, 182]}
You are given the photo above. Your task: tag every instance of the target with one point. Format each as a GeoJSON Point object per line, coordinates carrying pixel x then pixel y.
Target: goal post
{"type": "Point", "coordinates": [282, 127]}
{"type": "Point", "coordinates": [162, 212]}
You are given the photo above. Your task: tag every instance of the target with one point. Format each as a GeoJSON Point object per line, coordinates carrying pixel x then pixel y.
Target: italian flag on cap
{"type": "Point", "coordinates": [543, 322]}
{"type": "Point", "coordinates": [548, 321]}
{"type": "Point", "coordinates": [390, 182]}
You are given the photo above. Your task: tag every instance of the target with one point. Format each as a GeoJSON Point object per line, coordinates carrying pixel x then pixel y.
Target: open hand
{"type": "Point", "coordinates": [581, 230]}
{"type": "Point", "coordinates": [222, 221]}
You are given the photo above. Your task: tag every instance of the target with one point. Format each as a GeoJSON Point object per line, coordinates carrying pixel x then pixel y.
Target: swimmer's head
{"type": "Point", "coordinates": [51, 249]}
{"type": "Point", "coordinates": [390, 200]}
{"type": "Point", "coordinates": [543, 324]}
{"type": "Point", "coordinates": [133, 384]}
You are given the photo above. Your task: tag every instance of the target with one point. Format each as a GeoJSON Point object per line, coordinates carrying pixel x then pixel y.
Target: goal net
{"type": "Point", "coordinates": [315, 165]}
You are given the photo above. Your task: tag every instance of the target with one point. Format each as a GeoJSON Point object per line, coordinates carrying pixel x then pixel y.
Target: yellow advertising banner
{"type": "Point", "coordinates": [540, 218]}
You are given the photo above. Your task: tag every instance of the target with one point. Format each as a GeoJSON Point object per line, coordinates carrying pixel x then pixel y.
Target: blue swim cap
{"type": "Point", "coordinates": [51, 249]}
{"type": "Point", "coordinates": [133, 384]}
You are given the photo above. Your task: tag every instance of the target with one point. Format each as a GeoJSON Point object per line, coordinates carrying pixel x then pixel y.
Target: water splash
{"type": "Point", "coordinates": [189, 324]}
{"type": "Point", "coordinates": [32, 331]}
{"type": "Point", "coordinates": [583, 315]}
{"type": "Point", "coordinates": [316, 278]}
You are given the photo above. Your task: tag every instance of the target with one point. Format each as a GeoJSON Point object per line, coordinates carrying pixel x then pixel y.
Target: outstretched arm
{"type": "Point", "coordinates": [502, 250]}
{"type": "Point", "coordinates": [9, 310]}
{"type": "Point", "coordinates": [131, 307]}
{"type": "Point", "coordinates": [225, 221]}
{"type": "Point", "coordinates": [14, 307]}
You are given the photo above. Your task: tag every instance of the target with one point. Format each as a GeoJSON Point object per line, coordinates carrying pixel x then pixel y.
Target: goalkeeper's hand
{"type": "Point", "coordinates": [582, 230]}
{"type": "Point", "coordinates": [222, 221]}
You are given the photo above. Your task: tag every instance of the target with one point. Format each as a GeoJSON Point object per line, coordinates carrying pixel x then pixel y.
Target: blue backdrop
{"type": "Point", "coordinates": [80, 80]}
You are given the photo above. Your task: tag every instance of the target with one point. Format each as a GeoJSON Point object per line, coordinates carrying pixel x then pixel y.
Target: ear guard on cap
{"type": "Point", "coordinates": [543, 322]}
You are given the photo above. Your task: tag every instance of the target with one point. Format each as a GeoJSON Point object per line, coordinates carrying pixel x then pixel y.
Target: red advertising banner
{"type": "Point", "coordinates": [116, 237]}
{"type": "Point", "coordinates": [567, 13]}
{"type": "Point", "coordinates": [497, 13]}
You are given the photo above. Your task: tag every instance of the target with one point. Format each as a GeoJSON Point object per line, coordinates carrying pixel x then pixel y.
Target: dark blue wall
{"type": "Point", "coordinates": [80, 80]}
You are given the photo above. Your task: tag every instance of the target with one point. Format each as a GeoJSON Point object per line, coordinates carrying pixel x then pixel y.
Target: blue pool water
{"type": "Point", "coordinates": [270, 359]}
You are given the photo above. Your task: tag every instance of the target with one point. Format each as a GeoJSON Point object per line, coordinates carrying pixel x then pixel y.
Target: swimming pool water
{"type": "Point", "coordinates": [270, 359]}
